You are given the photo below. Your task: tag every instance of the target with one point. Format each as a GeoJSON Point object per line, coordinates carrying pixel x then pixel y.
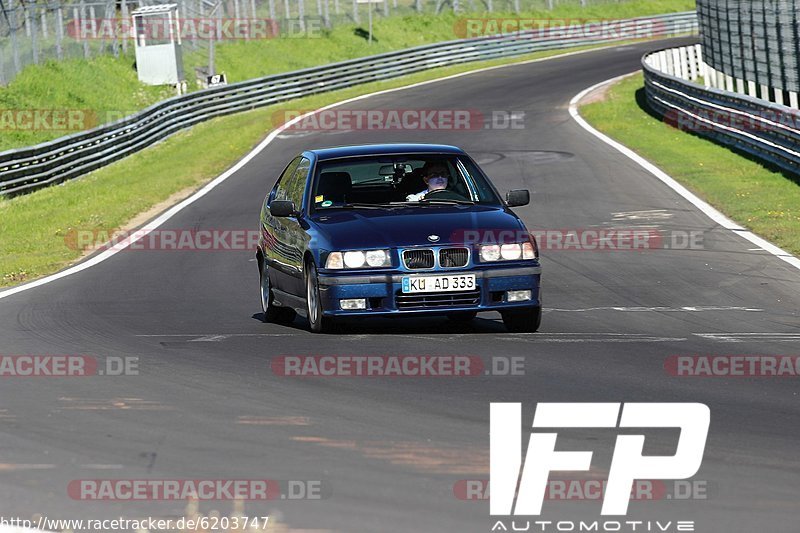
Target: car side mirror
{"type": "Point", "coordinates": [518, 198]}
{"type": "Point", "coordinates": [282, 208]}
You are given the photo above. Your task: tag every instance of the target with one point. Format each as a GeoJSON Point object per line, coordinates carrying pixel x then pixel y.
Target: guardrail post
{"type": "Point", "coordinates": [684, 53]}
{"type": "Point", "coordinates": [670, 64]}
{"type": "Point", "coordinates": [778, 96]}
{"type": "Point", "coordinates": [676, 63]}
{"type": "Point", "coordinates": [653, 61]}
{"type": "Point", "coordinates": [793, 100]}
{"type": "Point", "coordinates": [691, 54]}
{"type": "Point", "coordinates": [710, 76]}
{"type": "Point", "coordinates": [765, 93]}
{"type": "Point", "coordinates": [751, 89]}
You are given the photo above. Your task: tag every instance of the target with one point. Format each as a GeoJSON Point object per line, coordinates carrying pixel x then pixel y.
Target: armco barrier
{"type": "Point", "coordinates": [765, 130]}
{"type": "Point", "coordinates": [68, 157]}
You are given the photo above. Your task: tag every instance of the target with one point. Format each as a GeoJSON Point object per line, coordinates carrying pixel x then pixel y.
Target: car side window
{"type": "Point", "coordinates": [292, 182]}
{"type": "Point", "coordinates": [297, 185]}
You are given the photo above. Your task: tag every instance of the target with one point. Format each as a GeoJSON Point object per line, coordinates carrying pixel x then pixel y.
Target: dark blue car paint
{"type": "Point", "coordinates": [286, 243]}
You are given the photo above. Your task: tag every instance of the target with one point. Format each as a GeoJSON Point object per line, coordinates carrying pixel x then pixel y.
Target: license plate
{"type": "Point", "coordinates": [449, 283]}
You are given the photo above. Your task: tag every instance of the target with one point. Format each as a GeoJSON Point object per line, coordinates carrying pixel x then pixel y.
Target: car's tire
{"type": "Point", "coordinates": [462, 316]}
{"type": "Point", "coordinates": [523, 321]}
{"type": "Point", "coordinates": [317, 321]}
{"type": "Point", "coordinates": [272, 312]}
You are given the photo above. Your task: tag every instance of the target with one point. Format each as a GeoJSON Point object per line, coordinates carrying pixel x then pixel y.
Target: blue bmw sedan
{"type": "Point", "coordinates": [394, 230]}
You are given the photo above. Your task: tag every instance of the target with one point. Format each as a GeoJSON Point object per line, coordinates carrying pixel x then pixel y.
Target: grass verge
{"type": "Point", "coordinates": [105, 88]}
{"type": "Point", "coordinates": [759, 198]}
{"type": "Point", "coordinates": [35, 228]}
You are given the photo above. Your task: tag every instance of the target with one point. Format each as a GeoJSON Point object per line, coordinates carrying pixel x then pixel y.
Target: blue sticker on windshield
{"type": "Point", "coordinates": [327, 203]}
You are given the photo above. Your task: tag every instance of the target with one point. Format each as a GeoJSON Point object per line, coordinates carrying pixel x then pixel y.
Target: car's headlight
{"type": "Point", "coordinates": [511, 252]}
{"type": "Point", "coordinates": [358, 259]}
{"type": "Point", "coordinates": [507, 252]}
{"type": "Point", "coordinates": [377, 258]}
{"type": "Point", "coordinates": [490, 252]}
{"type": "Point", "coordinates": [354, 259]}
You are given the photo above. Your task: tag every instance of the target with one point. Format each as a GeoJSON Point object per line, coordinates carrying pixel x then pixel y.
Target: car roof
{"type": "Point", "coordinates": [384, 149]}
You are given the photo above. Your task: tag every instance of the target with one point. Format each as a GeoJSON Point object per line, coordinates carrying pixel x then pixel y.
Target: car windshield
{"type": "Point", "coordinates": [399, 181]}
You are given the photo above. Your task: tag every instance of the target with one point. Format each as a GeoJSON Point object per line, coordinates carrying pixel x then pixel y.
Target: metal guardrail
{"type": "Point", "coordinates": [762, 129]}
{"type": "Point", "coordinates": [71, 156]}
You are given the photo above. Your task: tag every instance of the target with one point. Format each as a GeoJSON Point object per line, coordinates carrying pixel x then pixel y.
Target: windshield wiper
{"type": "Point", "coordinates": [447, 202]}
{"type": "Point", "coordinates": [398, 205]}
{"type": "Point", "coordinates": [360, 206]}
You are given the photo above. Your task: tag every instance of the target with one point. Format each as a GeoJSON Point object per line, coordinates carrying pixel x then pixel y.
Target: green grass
{"type": "Point", "coordinates": [108, 88]}
{"type": "Point", "coordinates": [244, 60]}
{"type": "Point", "coordinates": [765, 201]}
{"type": "Point", "coordinates": [35, 228]}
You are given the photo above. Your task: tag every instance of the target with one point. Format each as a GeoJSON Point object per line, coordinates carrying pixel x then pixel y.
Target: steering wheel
{"type": "Point", "coordinates": [437, 191]}
{"type": "Point", "coordinates": [443, 194]}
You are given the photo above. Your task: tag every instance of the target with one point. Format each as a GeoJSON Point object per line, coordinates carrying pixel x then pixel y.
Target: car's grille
{"type": "Point", "coordinates": [435, 301]}
{"type": "Point", "coordinates": [418, 259]}
{"type": "Point", "coordinates": [453, 257]}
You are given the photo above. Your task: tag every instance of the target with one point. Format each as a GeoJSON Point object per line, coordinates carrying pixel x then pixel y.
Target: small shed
{"type": "Point", "coordinates": [157, 34]}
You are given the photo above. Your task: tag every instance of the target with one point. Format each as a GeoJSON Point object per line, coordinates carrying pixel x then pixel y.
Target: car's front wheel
{"type": "Point", "coordinates": [523, 321]}
{"type": "Point", "coordinates": [317, 321]}
{"type": "Point", "coordinates": [272, 312]}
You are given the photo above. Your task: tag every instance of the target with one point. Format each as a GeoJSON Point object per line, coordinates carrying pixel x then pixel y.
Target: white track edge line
{"type": "Point", "coordinates": [175, 209]}
{"type": "Point", "coordinates": [668, 180]}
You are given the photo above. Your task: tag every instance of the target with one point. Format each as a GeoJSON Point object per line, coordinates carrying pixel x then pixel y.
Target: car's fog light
{"type": "Point", "coordinates": [518, 296]}
{"type": "Point", "coordinates": [357, 303]}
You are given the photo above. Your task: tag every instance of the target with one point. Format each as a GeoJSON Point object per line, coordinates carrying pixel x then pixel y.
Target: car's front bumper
{"type": "Point", "coordinates": [383, 291]}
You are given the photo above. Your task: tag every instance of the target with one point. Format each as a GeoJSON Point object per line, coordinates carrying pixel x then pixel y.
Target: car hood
{"type": "Point", "coordinates": [392, 228]}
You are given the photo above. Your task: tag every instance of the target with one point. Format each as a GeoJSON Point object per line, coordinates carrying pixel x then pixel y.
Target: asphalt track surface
{"type": "Point", "coordinates": [206, 404]}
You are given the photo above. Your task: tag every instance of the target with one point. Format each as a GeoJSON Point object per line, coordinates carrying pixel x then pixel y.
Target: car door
{"type": "Point", "coordinates": [274, 236]}
{"type": "Point", "coordinates": [288, 235]}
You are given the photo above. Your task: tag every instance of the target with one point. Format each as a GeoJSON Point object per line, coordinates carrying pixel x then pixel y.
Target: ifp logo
{"type": "Point", "coordinates": [627, 464]}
